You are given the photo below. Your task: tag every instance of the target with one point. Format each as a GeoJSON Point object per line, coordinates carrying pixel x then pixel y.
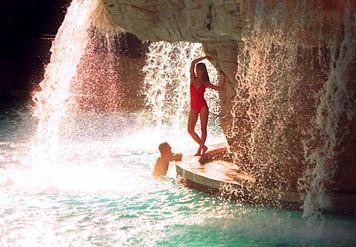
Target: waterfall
{"type": "Point", "coordinates": [166, 84]}
{"type": "Point", "coordinates": [294, 100]}
{"type": "Point", "coordinates": [82, 74]}
{"type": "Point", "coordinates": [67, 50]}
{"type": "Point", "coordinates": [336, 101]}
{"type": "Point", "coordinates": [291, 93]}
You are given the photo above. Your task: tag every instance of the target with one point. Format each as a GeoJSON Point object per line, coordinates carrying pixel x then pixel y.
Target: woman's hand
{"type": "Point", "coordinates": [202, 58]}
{"type": "Point", "coordinates": [209, 58]}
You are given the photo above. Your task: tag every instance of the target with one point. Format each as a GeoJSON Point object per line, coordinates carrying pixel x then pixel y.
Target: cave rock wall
{"type": "Point", "coordinates": [283, 111]}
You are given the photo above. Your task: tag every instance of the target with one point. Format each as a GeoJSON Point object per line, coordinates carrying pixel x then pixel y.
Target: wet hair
{"type": "Point", "coordinates": [163, 148]}
{"type": "Point", "coordinates": [205, 71]}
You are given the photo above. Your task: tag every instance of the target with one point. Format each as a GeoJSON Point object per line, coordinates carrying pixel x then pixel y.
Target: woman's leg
{"type": "Point", "coordinates": [192, 120]}
{"type": "Point", "coordinates": [204, 115]}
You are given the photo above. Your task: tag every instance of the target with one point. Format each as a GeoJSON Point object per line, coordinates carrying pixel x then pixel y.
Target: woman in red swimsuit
{"type": "Point", "coordinates": [198, 82]}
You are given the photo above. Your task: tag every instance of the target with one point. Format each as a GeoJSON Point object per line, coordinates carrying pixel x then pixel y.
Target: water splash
{"type": "Point", "coordinates": [166, 84]}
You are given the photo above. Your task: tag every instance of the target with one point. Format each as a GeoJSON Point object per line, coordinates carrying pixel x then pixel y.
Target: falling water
{"type": "Point", "coordinates": [294, 95]}
{"type": "Point", "coordinates": [82, 74]}
{"type": "Point", "coordinates": [336, 100]}
{"type": "Point", "coordinates": [55, 94]}
{"type": "Point", "coordinates": [166, 84]}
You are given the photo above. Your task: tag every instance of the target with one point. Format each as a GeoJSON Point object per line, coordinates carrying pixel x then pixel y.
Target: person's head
{"type": "Point", "coordinates": [202, 72]}
{"type": "Point", "coordinates": [164, 149]}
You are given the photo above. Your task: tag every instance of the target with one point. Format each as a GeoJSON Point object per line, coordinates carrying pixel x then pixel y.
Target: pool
{"type": "Point", "coordinates": [96, 189]}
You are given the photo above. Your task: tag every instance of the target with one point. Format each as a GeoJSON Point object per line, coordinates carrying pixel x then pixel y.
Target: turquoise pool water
{"type": "Point", "coordinates": [97, 190]}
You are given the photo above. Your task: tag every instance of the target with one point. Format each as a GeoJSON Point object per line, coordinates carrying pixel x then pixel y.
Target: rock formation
{"type": "Point", "coordinates": [288, 110]}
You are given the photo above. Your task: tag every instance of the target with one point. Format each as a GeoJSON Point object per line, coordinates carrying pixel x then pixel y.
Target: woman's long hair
{"type": "Point", "coordinates": [205, 71]}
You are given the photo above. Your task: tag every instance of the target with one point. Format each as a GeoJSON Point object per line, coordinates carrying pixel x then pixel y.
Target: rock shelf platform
{"type": "Point", "coordinates": [214, 174]}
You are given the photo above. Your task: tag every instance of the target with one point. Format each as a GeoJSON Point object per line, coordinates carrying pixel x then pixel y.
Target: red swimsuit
{"type": "Point", "coordinates": [197, 101]}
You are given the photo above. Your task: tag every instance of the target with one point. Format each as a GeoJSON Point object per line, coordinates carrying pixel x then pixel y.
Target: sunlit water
{"type": "Point", "coordinates": [99, 191]}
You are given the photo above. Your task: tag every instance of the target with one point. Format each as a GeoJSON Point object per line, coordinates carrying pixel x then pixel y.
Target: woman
{"type": "Point", "coordinates": [198, 82]}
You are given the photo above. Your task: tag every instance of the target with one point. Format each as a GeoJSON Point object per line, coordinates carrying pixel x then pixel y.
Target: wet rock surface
{"type": "Point", "coordinates": [288, 110]}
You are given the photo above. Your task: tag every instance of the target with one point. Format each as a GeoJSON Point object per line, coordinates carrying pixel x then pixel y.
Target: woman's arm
{"type": "Point", "coordinates": [221, 85]}
{"type": "Point", "coordinates": [194, 62]}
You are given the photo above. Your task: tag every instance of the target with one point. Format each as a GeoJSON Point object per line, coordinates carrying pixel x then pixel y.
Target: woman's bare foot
{"type": "Point", "coordinates": [198, 152]}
